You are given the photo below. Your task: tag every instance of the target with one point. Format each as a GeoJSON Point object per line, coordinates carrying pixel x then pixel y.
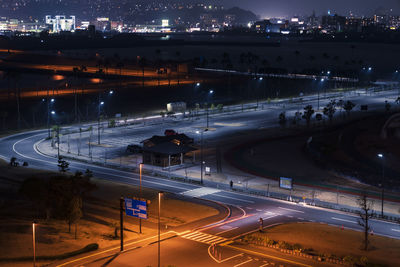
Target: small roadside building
{"type": "Point", "coordinates": [165, 151]}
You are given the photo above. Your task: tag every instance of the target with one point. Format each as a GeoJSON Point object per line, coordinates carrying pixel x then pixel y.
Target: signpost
{"type": "Point", "coordinates": [136, 208]}
{"type": "Point", "coordinates": [286, 183]}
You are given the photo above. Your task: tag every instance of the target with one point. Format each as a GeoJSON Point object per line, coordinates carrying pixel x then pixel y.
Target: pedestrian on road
{"type": "Point", "coordinates": [231, 184]}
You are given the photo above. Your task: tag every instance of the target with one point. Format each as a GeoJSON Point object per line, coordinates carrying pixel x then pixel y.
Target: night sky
{"type": "Point", "coordinates": [272, 8]}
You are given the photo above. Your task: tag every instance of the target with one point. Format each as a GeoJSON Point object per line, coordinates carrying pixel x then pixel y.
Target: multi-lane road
{"type": "Point", "coordinates": [192, 247]}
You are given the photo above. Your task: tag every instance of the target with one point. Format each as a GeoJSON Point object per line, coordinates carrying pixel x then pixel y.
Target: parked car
{"type": "Point", "coordinates": [170, 132]}
{"type": "Point", "coordinates": [134, 149]}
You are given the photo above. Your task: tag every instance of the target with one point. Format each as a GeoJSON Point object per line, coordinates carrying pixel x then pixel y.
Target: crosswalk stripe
{"type": "Point", "coordinates": [204, 238]}
{"type": "Point", "coordinates": [191, 235]}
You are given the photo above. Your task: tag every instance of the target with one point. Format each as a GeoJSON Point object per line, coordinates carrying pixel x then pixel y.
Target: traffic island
{"type": "Point", "coordinates": [325, 243]}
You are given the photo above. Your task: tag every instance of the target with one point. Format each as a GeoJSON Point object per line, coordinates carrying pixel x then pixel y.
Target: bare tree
{"type": "Point", "coordinates": [365, 214]}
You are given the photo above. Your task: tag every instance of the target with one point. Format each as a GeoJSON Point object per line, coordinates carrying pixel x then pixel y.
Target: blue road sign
{"type": "Point", "coordinates": [136, 208]}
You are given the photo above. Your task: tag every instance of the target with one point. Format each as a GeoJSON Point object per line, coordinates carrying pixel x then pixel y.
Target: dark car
{"type": "Point", "coordinates": [134, 149]}
{"type": "Point", "coordinates": [170, 132]}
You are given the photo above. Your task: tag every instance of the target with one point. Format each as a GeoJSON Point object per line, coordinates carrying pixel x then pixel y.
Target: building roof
{"type": "Point", "coordinates": [169, 144]}
{"type": "Point", "coordinates": [169, 148]}
{"type": "Point", "coordinates": [177, 139]}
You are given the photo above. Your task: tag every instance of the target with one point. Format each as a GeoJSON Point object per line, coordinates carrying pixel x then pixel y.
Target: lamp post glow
{"type": "Point", "coordinates": [383, 181]}
{"type": "Point", "coordinates": [34, 243]}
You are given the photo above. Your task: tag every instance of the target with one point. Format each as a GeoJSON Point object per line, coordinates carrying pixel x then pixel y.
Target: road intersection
{"type": "Point", "coordinates": [197, 244]}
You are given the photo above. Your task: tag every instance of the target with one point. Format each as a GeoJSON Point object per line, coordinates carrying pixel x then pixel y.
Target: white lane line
{"type": "Point", "coordinates": [344, 220]}
{"type": "Point", "coordinates": [243, 263]}
{"type": "Point", "coordinates": [264, 264]}
{"type": "Point", "coordinates": [300, 218]}
{"type": "Point", "coordinates": [289, 216]}
{"type": "Point", "coordinates": [227, 259]}
{"type": "Point", "coordinates": [239, 199]}
{"type": "Point", "coordinates": [77, 163]}
{"type": "Point", "coordinates": [258, 210]}
{"type": "Point", "coordinates": [299, 211]}
{"type": "Point", "coordinates": [396, 230]}
{"type": "Point", "coordinates": [226, 231]}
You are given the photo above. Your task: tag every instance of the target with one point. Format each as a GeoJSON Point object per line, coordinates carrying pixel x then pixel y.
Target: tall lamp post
{"type": "Point", "coordinates": [210, 93]}
{"type": "Point", "coordinates": [98, 119]}
{"type": "Point", "coordinates": [383, 180]}
{"type": "Point", "coordinates": [322, 80]}
{"type": "Point", "coordinates": [34, 242]}
{"type": "Point", "coordinates": [201, 153]}
{"type": "Point", "coordinates": [48, 112]}
{"type": "Point", "coordinates": [159, 227]}
{"type": "Point", "coordinates": [140, 193]}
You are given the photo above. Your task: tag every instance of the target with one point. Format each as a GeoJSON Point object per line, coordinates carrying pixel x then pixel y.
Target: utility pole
{"type": "Point", "coordinates": [159, 227]}
{"type": "Point", "coordinates": [121, 220]}
{"type": "Point", "coordinates": [58, 141]}
{"type": "Point", "coordinates": [48, 113]}
{"type": "Point", "coordinates": [98, 122]}
{"type": "Point", "coordinates": [140, 193]}
{"type": "Point", "coordinates": [383, 182]}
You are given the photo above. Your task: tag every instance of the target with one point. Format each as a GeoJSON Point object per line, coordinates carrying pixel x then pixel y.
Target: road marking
{"type": "Point", "coordinates": [243, 263]}
{"type": "Point", "coordinates": [300, 218]}
{"type": "Point", "coordinates": [258, 210]}
{"type": "Point", "coordinates": [299, 211]}
{"type": "Point", "coordinates": [244, 200]}
{"type": "Point", "coordinates": [289, 216]}
{"type": "Point", "coordinates": [268, 256]}
{"type": "Point", "coordinates": [396, 230]}
{"type": "Point", "coordinates": [111, 249]}
{"type": "Point", "coordinates": [344, 220]}
{"type": "Point", "coordinates": [233, 228]}
{"type": "Point", "coordinates": [264, 264]}
{"type": "Point", "coordinates": [199, 192]}
{"type": "Point", "coordinates": [204, 238]}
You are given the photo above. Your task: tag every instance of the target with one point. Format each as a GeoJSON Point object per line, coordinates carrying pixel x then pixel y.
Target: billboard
{"type": "Point", "coordinates": [286, 183]}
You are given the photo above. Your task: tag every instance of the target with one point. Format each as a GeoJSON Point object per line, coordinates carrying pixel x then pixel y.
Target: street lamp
{"type": "Point", "coordinates": [201, 153]}
{"type": "Point", "coordinates": [159, 226]}
{"type": "Point", "coordinates": [34, 242]}
{"type": "Point", "coordinates": [140, 193]}
{"type": "Point", "coordinates": [111, 92]}
{"type": "Point", "coordinates": [48, 114]}
{"type": "Point", "coordinates": [383, 180]}
{"type": "Point", "coordinates": [322, 80]}
{"type": "Point", "coordinates": [101, 103]}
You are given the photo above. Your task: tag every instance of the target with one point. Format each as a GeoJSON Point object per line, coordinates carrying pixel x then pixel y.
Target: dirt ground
{"type": "Point", "coordinates": [330, 240]}
{"type": "Point", "coordinates": [101, 216]}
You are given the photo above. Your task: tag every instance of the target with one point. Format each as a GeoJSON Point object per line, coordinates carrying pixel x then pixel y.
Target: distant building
{"type": "Point", "coordinates": [60, 23]}
{"type": "Point", "coordinates": [334, 23]}
{"type": "Point", "coordinates": [271, 26]}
